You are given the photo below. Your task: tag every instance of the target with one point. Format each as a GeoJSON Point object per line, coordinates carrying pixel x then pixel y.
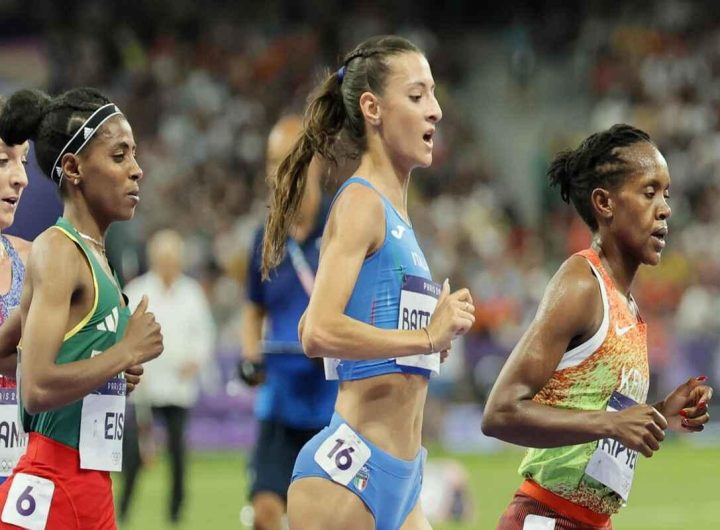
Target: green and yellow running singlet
{"type": "Point", "coordinates": [100, 329]}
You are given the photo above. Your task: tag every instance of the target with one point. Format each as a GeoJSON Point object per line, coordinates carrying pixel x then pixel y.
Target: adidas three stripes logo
{"type": "Point", "coordinates": [110, 322]}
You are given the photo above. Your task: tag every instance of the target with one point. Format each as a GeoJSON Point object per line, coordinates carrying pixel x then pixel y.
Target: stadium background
{"type": "Point", "coordinates": [518, 81]}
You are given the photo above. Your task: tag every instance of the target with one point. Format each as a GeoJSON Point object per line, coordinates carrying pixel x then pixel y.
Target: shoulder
{"type": "Point", "coordinates": [577, 273]}
{"type": "Point", "coordinates": [22, 246]}
{"type": "Point", "coordinates": [573, 289]}
{"type": "Point", "coordinates": [56, 242]}
{"type": "Point", "coordinates": [54, 253]}
{"type": "Point", "coordinates": [358, 202]}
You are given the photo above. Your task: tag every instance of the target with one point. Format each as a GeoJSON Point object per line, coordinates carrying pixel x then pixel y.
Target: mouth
{"type": "Point", "coordinates": [134, 196]}
{"type": "Point", "coordinates": [11, 201]}
{"type": "Point", "coordinates": [428, 137]}
{"type": "Point", "coordinates": [660, 236]}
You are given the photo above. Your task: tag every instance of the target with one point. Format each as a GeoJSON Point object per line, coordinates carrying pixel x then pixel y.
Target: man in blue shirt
{"type": "Point", "coordinates": [293, 401]}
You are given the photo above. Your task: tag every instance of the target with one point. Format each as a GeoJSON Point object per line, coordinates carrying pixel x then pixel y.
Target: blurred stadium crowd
{"type": "Point", "coordinates": [203, 86]}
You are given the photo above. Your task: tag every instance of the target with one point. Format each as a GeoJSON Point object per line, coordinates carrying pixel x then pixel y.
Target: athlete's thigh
{"type": "Point", "coordinates": [316, 503]}
{"type": "Point", "coordinates": [416, 520]}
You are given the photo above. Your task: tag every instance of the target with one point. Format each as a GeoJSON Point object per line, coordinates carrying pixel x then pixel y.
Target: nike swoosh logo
{"type": "Point", "coordinates": [621, 331]}
{"type": "Point", "coordinates": [398, 232]}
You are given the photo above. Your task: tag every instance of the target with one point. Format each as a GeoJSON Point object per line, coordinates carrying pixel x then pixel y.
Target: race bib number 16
{"type": "Point", "coordinates": [28, 502]}
{"type": "Point", "coordinates": [342, 455]}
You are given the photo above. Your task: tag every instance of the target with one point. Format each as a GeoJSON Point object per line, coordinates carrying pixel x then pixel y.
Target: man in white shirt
{"type": "Point", "coordinates": [170, 384]}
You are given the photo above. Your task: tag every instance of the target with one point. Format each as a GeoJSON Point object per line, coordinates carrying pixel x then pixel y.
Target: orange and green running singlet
{"type": "Point", "coordinates": [611, 364]}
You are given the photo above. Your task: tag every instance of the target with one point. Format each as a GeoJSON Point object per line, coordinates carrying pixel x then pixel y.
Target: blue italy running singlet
{"type": "Point", "coordinates": [394, 290]}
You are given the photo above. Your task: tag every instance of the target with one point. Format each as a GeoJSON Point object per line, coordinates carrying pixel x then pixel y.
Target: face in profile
{"type": "Point", "coordinates": [13, 180]}
{"type": "Point", "coordinates": [409, 111]}
{"type": "Point", "coordinates": [110, 173]}
{"type": "Point", "coordinates": [641, 210]}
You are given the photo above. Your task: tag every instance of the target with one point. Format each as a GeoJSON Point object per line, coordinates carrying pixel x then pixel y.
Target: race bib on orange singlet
{"type": "Point", "coordinates": [612, 463]}
{"type": "Point", "coordinates": [102, 425]}
{"type": "Point", "coordinates": [13, 439]}
{"type": "Point", "coordinates": [418, 300]}
{"type": "Point", "coordinates": [28, 502]}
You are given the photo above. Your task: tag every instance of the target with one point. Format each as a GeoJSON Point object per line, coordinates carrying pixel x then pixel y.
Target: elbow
{"type": "Point", "coordinates": [497, 419]}
{"type": "Point", "coordinates": [315, 341]}
{"type": "Point", "coordinates": [34, 399]}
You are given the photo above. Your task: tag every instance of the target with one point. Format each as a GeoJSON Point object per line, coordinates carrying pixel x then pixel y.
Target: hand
{"type": "Point", "coordinates": [143, 336]}
{"type": "Point", "coordinates": [454, 315]}
{"type": "Point", "coordinates": [639, 427]}
{"type": "Point", "coordinates": [132, 377]}
{"type": "Point", "coordinates": [686, 407]}
{"type": "Point", "coordinates": [252, 373]}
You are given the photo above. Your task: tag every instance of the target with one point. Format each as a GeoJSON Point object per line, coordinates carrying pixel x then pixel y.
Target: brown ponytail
{"type": "Point", "coordinates": [322, 124]}
{"type": "Point", "coordinates": [334, 108]}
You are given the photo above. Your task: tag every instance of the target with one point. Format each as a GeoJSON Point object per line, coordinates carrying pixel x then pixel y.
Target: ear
{"type": "Point", "coordinates": [602, 202]}
{"type": "Point", "coordinates": [71, 167]}
{"type": "Point", "coordinates": [370, 107]}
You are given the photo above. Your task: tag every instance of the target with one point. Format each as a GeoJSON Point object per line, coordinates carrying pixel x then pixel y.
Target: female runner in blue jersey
{"type": "Point", "coordinates": [13, 257]}
{"type": "Point", "coordinates": [374, 307]}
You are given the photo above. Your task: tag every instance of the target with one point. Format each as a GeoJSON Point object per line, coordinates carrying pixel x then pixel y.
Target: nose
{"type": "Point", "coordinates": [435, 112]}
{"type": "Point", "coordinates": [18, 177]}
{"type": "Point", "coordinates": [665, 211]}
{"type": "Point", "coordinates": [137, 172]}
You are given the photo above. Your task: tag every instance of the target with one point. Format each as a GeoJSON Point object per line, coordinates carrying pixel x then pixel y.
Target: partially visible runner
{"type": "Point", "coordinates": [13, 256]}
{"type": "Point", "coordinates": [574, 388]}
{"type": "Point", "coordinates": [294, 401]}
{"type": "Point", "coordinates": [80, 349]}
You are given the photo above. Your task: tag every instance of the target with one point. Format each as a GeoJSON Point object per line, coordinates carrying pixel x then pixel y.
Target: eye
{"type": "Point", "coordinates": [415, 98]}
{"type": "Point", "coordinates": [649, 194]}
{"type": "Point", "coordinates": [4, 161]}
{"type": "Point", "coordinates": [24, 160]}
{"type": "Point", "coordinates": [119, 157]}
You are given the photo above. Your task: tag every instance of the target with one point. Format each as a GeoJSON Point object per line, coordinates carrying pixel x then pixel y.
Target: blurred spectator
{"type": "Point", "coordinates": [170, 383]}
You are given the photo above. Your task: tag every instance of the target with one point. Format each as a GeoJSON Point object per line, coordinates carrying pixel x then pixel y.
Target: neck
{"type": "Point", "coordinates": [168, 279]}
{"type": "Point", "coordinates": [377, 168]}
{"type": "Point", "coordinates": [84, 221]}
{"type": "Point", "coordinates": [621, 267]}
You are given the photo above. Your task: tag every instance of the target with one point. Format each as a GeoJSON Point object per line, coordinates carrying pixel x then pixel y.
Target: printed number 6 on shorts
{"type": "Point", "coordinates": [28, 502]}
{"type": "Point", "coordinates": [342, 454]}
